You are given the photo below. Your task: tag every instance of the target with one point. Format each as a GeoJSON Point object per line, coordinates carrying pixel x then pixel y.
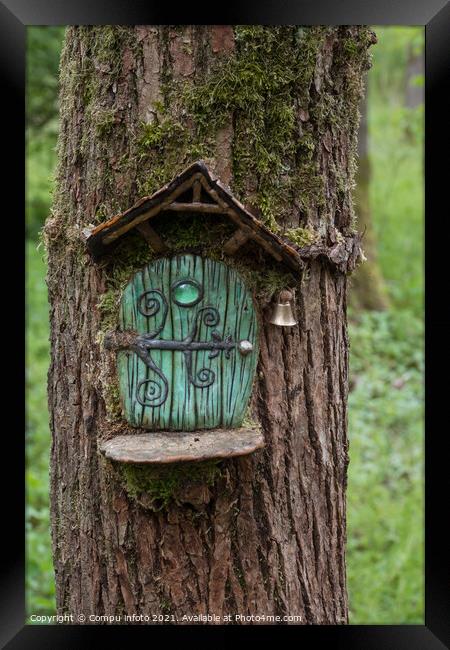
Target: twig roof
{"type": "Point", "coordinates": [208, 196]}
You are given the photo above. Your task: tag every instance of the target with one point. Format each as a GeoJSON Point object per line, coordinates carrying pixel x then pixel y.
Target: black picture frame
{"type": "Point", "coordinates": [15, 16]}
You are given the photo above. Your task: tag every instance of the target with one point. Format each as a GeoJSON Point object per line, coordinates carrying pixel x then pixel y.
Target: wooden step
{"type": "Point", "coordinates": [159, 447]}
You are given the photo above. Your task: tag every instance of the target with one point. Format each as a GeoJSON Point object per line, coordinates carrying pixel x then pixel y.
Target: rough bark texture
{"type": "Point", "coordinates": [267, 534]}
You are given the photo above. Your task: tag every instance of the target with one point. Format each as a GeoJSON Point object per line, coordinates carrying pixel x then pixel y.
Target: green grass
{"type": "Point", "coordinates": [39, 568]}
{"type": "Point", "coordinates": [385, 482]}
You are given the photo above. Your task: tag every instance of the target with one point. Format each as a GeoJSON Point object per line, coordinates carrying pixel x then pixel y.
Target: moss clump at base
{"type": "Point", "coordinates": [155, 487]}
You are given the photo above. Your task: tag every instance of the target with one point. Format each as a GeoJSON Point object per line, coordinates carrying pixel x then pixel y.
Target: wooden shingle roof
{"type": "Point", "coordinates": [205, 194]}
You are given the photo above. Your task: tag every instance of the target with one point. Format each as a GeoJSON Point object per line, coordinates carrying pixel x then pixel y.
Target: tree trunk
{"type": "Point", "coordinates": [367, 289]}
{"type": "Point", "coordinates": [274, 112]}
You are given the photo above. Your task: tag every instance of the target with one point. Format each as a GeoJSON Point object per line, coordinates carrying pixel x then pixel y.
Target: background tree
{"type": "Point", "coordinates": [368, 290]}
{"type": "Point", "coordinates": [392, 111]}
{"type": "Point", "coordinates": [275, 113]}
{"type": "Point", "coordinates": [415, 72]}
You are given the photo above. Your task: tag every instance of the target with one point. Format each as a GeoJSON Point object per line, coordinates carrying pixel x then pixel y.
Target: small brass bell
{"type": "Point", "coordinates": [282, 311]}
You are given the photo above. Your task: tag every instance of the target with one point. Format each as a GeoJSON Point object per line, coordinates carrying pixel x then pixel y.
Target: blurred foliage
{"type": "Point", "coordinates": [396, 191]}
{"type": "Point", "coordinates": [39, 568]}
{"type": "Point", "coordinates": [397, 200]}
{"type": "Point", "coordinates": [387, 77]}
{"type": "Point", "coordinates": [385, 534]}
{"type": "Point", "coordinates": [385, 487]}
{"type": "Point", "coordinates": [43, 49]}
{"type": "Point", "coordinates": [385, 479]}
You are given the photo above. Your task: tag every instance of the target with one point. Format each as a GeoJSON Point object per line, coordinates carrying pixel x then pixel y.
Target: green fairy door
{"type": "Point", "coordinates": [192, 361]}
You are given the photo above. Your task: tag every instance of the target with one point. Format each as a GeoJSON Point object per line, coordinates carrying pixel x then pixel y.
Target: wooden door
{"type": "Point", "coordinates": [192, 362]}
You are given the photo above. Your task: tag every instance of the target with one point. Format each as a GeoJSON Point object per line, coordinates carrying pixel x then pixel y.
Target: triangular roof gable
{"type": "Point", "coordinates": [198, 178]}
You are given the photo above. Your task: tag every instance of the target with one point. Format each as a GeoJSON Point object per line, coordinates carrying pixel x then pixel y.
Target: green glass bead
{"type": "Point", "coordinates": [186, 293]}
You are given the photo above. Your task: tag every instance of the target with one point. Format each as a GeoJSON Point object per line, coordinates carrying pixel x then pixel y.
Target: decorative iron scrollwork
{"type": "Point", "coordinates": [149, 304]}
{"type": "Point", "coordinates": [150, 392]}
{"type": "Point", "coordinates": [153, 392]}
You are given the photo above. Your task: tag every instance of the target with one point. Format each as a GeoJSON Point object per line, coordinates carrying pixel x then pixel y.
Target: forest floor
{"type": "Point", "coordinates": [385, 478]}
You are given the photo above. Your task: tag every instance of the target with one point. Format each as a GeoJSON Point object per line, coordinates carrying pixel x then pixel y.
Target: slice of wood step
{"type": "Point", "coordinates": [162, 447]}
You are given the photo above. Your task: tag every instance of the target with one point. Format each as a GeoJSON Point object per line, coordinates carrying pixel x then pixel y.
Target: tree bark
{"type": "Point", "coordinates": [267, 537]}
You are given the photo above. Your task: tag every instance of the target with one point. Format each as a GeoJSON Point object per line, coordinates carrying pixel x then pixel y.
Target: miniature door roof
{"type": "Point", "coordinates": [206, 194]}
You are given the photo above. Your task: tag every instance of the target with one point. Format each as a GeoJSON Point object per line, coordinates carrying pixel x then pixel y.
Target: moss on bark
{"type": "Point", "coordinates": [155, 488]}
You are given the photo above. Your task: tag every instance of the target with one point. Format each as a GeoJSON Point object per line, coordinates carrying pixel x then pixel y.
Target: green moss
{"type": "Point", "coordinates": [130, 256]}
{"type": "Point", "coordinates": [249, 421]}
{"type": "Point", "coordinates": [108, 306]}
{"type": "Point", "coordinates": [111, 396]}
{"type": "Point", "coordinates": [105, 46]}
{"type": "Point", "coordinates": [164, 148]}
{"type": "Point", "coordinates": [269, 282]}
{"type": "Point", "coordinates": [161, 131]}
{"type": "Point", "coordinates": [166, 605]}
{"type": "Point", "coordinates": [302, 236]}
{"type": "Point", "coordinates": [263, 85]}
{"type": "Point", "coordinates": [350, 47]}
{"type": "Point", "coordinates": [162, 485]}
{"type": "Point", "coordinates": [194, 231]}
{"type": "Point", "coordinates": [105, 121]}
{"type": "Point", "coordinates": [102, 213]}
